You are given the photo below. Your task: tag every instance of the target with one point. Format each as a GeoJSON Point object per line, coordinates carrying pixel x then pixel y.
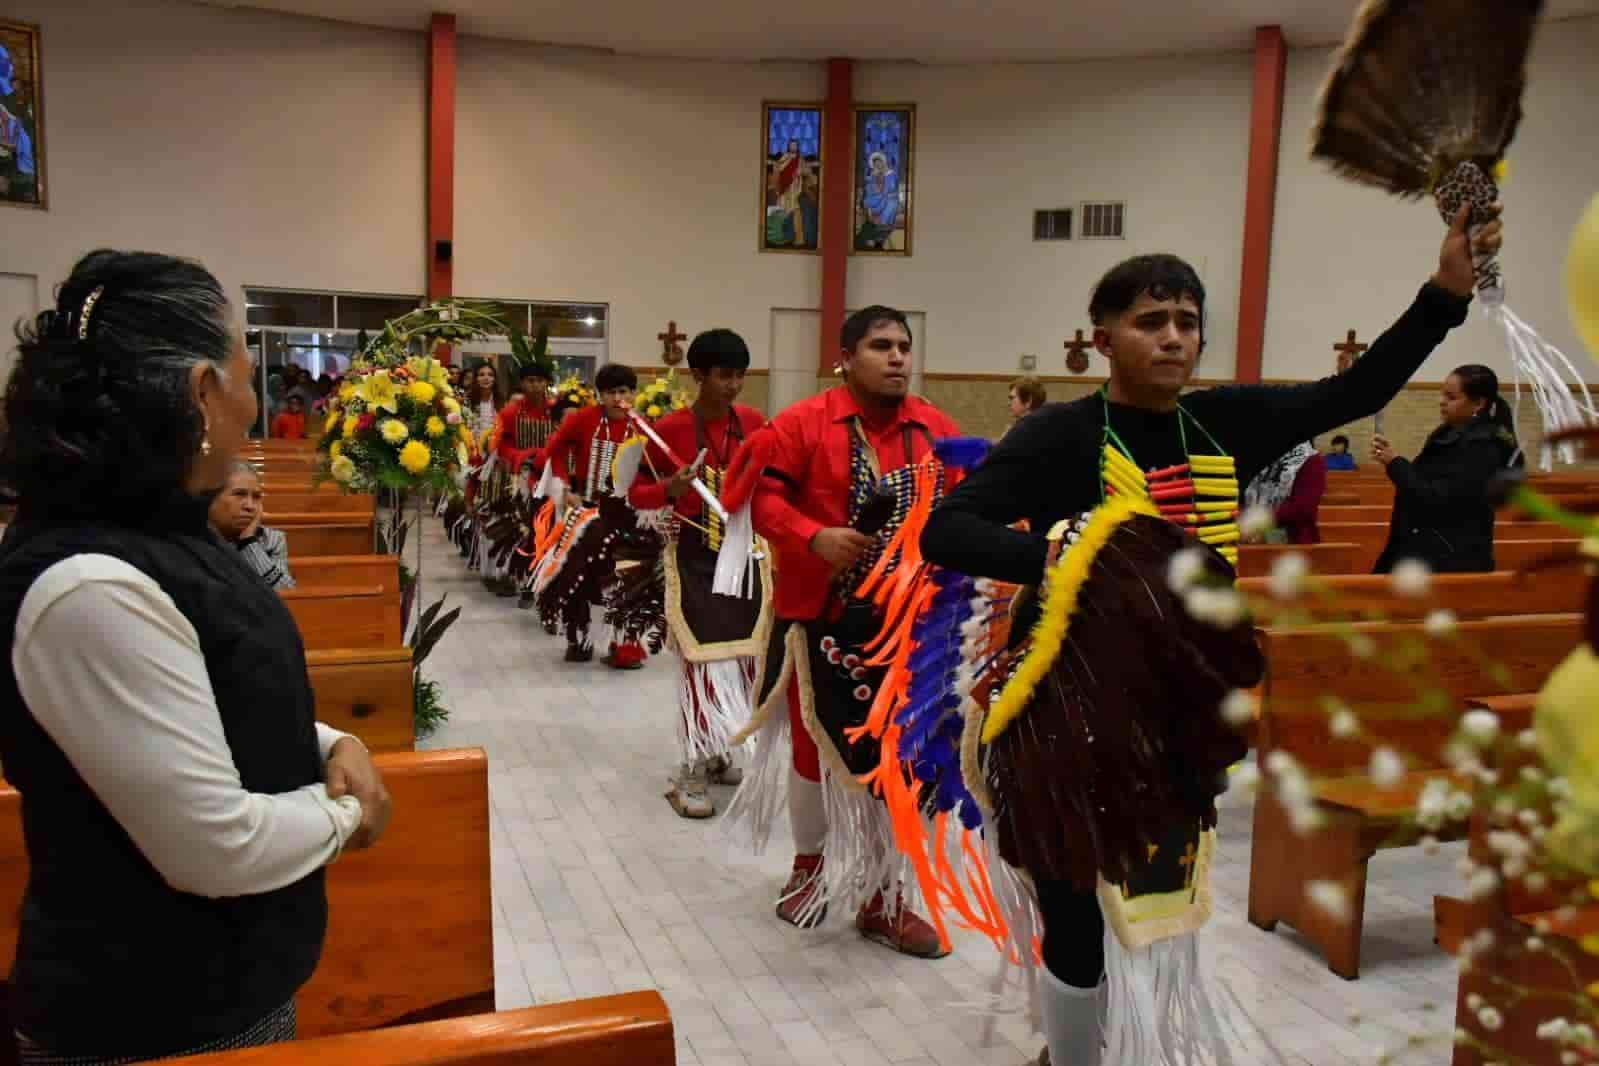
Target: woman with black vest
{"type": "Point", "coordinates": [179, 799]}
{"type": "Point", "coordinates": [1442, 512]}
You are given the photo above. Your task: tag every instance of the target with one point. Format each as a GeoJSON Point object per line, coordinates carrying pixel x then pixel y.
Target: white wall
{"type": "Point", "coordinates": [277, 150]}
{"type": "Point", "coordinates": [1347, 256]}
{"type": "Point", "coordinates": [994, 143]}
{"type": "Point", "coordinates": [632, 182]}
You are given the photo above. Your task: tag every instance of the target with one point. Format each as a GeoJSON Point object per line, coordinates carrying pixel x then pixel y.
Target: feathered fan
{"type": "Point", "coordinates": [1423, 100]}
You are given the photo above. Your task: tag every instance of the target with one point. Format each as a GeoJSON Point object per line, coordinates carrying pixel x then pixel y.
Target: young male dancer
{"type": "Point", "coordinates": [576, 575]}
{"type": "Point", "coordinates": [1139, 440]}
{"type": "Point", "coordinates": [718, 637]}
{"type": "Point", "coordinates": [828, 463]}
{"type": "Point", "coordinates": [521, 430]}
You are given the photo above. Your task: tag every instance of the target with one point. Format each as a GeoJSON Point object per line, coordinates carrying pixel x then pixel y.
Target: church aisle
{"type": "Point", "coordinates": [599, 887]}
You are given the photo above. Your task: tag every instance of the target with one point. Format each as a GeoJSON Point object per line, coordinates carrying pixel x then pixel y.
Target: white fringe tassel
{"type": "Point", "coordinates": [736, 560]}
{"type": "Point", "coordinates": [1542, 363]}
{"type": "Point", "coordinates": [763, 795]}
{"type": "Point", "coordinates": [859, 858]}
{"type": "Point", "coordinates": [1159, 1007]}
{"type": "Point", "coordinates": [714, 699]}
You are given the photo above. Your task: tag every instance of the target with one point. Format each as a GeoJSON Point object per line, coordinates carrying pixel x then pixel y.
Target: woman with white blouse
{"type": "Point", "coordinates": [179, 800]}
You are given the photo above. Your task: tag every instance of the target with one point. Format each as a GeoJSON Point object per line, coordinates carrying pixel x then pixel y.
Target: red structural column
{"type": "Point", "coordinates": [1260, 198]}
{"type": "Point", "coordinates": [838, 136]}
{"type": "Point", "coordinates": [441, 158]}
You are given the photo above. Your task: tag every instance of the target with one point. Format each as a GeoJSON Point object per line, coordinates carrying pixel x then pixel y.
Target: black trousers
{"type": "Point", "coordinates": [1074, 933]}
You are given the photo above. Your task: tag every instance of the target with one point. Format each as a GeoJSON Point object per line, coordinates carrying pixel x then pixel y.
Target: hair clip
{"type": "Point", "coordinates": [88, 309]}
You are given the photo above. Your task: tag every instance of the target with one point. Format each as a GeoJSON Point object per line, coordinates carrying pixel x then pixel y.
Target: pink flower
{"type": "Point", "coordinates": [453, 418]}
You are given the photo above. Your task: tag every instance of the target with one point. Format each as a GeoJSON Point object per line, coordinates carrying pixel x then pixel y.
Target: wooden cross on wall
{"type": "Point", "coordinates": [1077, 354]}
{"type": "Point", "coordinates": [671, 350]}
{"type": "Point", "coordinates": [1349, 351]}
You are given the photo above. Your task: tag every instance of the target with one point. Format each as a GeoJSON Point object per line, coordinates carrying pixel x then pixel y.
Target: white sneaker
{"type": "Point", "coordinates": [688, 795]}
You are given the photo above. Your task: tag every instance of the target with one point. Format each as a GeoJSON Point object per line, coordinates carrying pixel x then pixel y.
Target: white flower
{"type": "Point", "coordinates": [1238, 709]}
{"type": "Point", "coordinates": [1288, 573]}
{"type": "Point", "coordinates": [1491, 1019]}
{"type": "Point", "coordinates": [1412, 578]}
{"type": "Point", "coordinates": [1432, 806]}
{"type": "Point", "coordinates": [1257, 521]}
{"type": "Point", "coordinates": [1535, 882]}
{"type": "Point", "coordinates": [1221, 607]}
{"type": "Point", "coordinates": [1480, 726]}
{"type": "Point", "coordinates": [1513, 868]}
{"type": "Point", "coordinates": [1361, 646]}
{"type": "Point", "coordinates": [1185, 569]}
{"type": "Point", "coordinates": [1570, 1058]}
{"type": "Point", "coordinates": [1343, 723]}
{"type": "Point", "coordinates": [1330, 897]}
{"type": "Point", "coordinates": [1534, 944]}
{"type": "Point", "coordinates": [1482, 884]}
{"type": "Point", "coordinates": [1474, 1002]}
{"type": "Point", "coordinates": [1531, 774]}
{"type": "Point", "coordinates": [1527, 739]}
{"type": "Point", "coordinates": [1528, 818]}
{"type": "Point", "coordinates": [1441, 623]}
{"type": "Point", "coordinates": [1554, 1029]}
{"type": "Point", "coordinates": [1460, 805]}
{"type": "Point", "coordinates": [1387, 768]}
{"type": "Point", "coordinates": [1509, 844]}
{"type": "Point", "coordinates": [1558, 787]}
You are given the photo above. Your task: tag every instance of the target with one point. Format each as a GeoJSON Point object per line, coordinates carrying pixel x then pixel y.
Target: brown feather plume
{"type": "Point", "coordinates": [1422, 86]}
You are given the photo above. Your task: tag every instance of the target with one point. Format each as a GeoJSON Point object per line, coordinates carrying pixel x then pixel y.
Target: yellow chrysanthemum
{"type": "Point", "coordinates": [435, 426]}
{"type": "Point", "coordinates": [393, 430]}
{"type": "Point", "coordinates": [343, 469]}
{"type": "Point", "coordinates": [653, 410]}
{"type": "Point", "coordinates": [335, 449]}
{"type": "Point", "coordinates": [332, 422]}
{"type": "Point", "coordinates": [452, 406]}
{"type": "Point", "coordinates": [416, 457]}
{"type": "Point", "coordinates": [350, 422]}
{"type": "Point", "coordinates": [422, 392]}
{"type": "Point", "coordinates": [377, 392]}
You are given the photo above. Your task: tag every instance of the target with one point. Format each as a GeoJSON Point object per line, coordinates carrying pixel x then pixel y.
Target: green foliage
{"type": "Point", "coordinates": [428, 711]}
{"type": "Point", "coordinates": [429, 629]}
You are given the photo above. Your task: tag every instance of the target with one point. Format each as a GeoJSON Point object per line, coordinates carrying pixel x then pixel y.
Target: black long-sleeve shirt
{"type": "Point", "coordinates": [1047, 467]}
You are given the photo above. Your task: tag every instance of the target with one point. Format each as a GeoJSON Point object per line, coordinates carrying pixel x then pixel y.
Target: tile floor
{"type": "Point", "coordinates": [599, 887]}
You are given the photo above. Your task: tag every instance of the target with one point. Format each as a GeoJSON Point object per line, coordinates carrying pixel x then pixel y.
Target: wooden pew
{"type": "Point", "coordinates": [1256, 560]}
{"type": "Point", "coordinates": [314, 534]}
{"type": "Point", "coordinates": [328, 503]}
{"type": "Point", "coordinates": [410, 920]}
{"type": "Point", "coordinates": [1372, 537]}
{"type": "Point", "coordinates": [1467, 595]}
{"type": "Point", "coordinates": [368, 692]}
{"type": "Point", "coordinates": [360, 569]}
{"type": "Point", "coordinates": [346, 616]}
{"type": "Point", "coordinates": [632, 1029]}
{"type": "Point", "coordinates": [1516, 554]}
{"type": "Point", "coordinates": [1307, 664]}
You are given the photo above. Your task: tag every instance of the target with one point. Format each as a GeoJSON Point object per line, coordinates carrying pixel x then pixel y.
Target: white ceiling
{"type": "Point", "coordinates": [929, 31]}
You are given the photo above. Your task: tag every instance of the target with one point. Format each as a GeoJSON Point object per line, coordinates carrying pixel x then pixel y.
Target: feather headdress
{"type": "Point", "coordinates": [1423, 100]}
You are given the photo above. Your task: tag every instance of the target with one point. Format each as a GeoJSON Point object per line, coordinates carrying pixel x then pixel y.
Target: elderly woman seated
{"type": "Point", "coordinates": [236, 517]}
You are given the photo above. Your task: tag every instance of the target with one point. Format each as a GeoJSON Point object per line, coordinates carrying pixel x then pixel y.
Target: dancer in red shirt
{"type": "Point", "coordinates": [521, 430]}
{"type": "Point", "coordinates": [828, 466]}
{"type": "Point", "coordinates": [717, 636]}
{"type": "Point", "coordinates": [599, 528]}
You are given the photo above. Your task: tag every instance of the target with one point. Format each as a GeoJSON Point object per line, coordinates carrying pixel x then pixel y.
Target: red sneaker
{"type": "Point", "coordinates": [625, 657]}
{"type": "Point", "coordinates": [804, 884]}
{"type": "Point", "coordinates": [900, 928]}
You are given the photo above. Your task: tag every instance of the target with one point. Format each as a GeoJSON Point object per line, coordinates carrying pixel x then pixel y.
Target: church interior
{"type": "Point", "coordinates": [602, 184]}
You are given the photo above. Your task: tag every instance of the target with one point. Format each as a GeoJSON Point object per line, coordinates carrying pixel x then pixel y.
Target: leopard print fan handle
{"type": "Point", "coordinates": [1468, 183]}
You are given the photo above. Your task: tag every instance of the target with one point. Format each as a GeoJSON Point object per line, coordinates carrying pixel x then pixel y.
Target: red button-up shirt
{"type": "Point", "coordinates": [569, 448]}
{"type": "Point", "coordinates": [807, 485]}
{"type": "Point", "coordinates": [648, 492]}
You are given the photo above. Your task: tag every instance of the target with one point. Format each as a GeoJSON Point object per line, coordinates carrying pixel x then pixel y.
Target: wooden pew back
{"type": "Point", "coordinates": [1305, 665]}
{"type": "Point", "coordinates": [1467, 595]}
{"type": "Point", "coordinates": [411, 921]}
{"type": "Point", "coordinates": [1256, 560]}
{"type": "Point", "coordinates": [328, 503]}
{"type": "Point", "coordinates": [359, 569]}
{"type": "Point", "coordinates": [313, 535]}
{"type": "Point", "coordinates": [1372, 537]}
{"type": "Point", "coordinates": [368, 692]}
{"type": "Point", "coordinates": [632, 1029]}
{"type": "Point", "coordinates": [346, 616]}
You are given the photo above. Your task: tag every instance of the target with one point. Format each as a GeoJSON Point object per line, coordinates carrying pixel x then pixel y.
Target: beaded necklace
{"type": "Point", "coordinates": [602, 452]}
{"type": "Point", "coordinates": [1201, 494]}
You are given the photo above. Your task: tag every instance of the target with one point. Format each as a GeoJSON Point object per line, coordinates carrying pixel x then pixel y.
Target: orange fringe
{"type": "Point", "coordinates": [963, 886]}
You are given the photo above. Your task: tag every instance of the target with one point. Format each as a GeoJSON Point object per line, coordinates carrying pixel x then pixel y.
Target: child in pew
{"type": "Point", "coordinates": [179, 798]}
{"type": "Point", "coordinates": [1339, 458]}
{"type": "Point", "coordinates": [1442, 514]}
{"type": "Point", "coordinates": [235, 514]}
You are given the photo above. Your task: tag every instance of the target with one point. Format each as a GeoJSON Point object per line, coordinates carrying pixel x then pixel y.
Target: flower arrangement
{"type": "Point", "coordinates": [660, 397]}
{"type": "Point", "coordinates": [395, 422]}
{"type": "Point", "coordinates": [572, 391]}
